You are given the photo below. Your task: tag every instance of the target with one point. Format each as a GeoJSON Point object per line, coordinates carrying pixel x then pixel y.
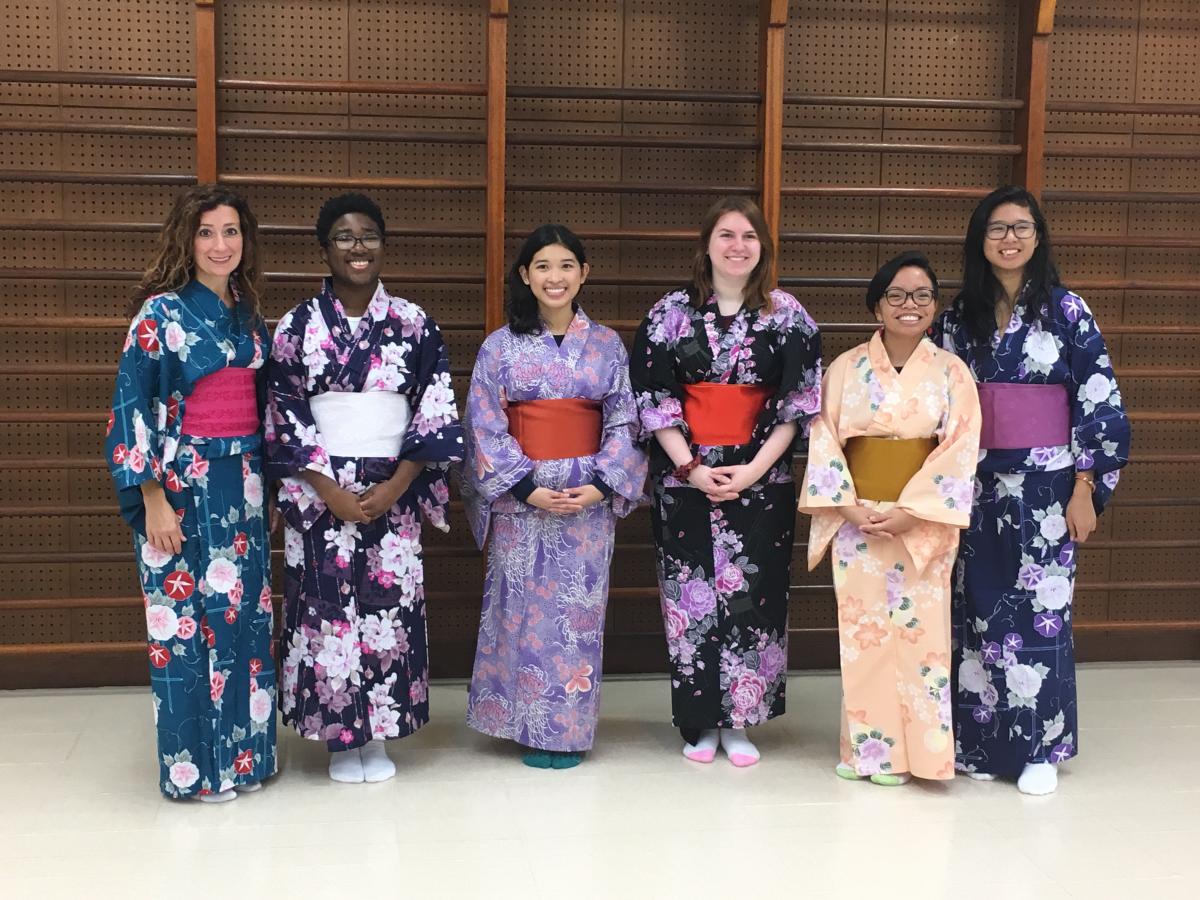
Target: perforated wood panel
{"type": "Point", "coordinates": [59, 536]}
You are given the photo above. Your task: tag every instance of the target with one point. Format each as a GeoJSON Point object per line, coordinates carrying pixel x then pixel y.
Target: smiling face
{"type": "Point", "coordinates": [734, 248]}
{"type": "Point", "coordinates": [217, 247]}
{"type": "Point", "coordinates": [357, 267]}
{"type": "Point", "coordinates": [1009, 253]}
{"type": "Point", "coordinates": [555, 276]}
{"type": "Point", "coordinates": [910, 319]}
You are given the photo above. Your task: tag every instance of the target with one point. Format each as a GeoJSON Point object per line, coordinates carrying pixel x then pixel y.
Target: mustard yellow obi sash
{"type": "Point", "coordinates": [881, 467]}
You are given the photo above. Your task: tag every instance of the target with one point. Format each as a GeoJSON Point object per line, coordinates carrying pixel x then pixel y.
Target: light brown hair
{"type": "Point", "coordinates": [757, 292]}
{"type": "Point", "coordinates": [175, 264]}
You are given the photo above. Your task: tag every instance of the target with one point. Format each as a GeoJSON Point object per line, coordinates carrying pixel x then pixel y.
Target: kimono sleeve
{"type": "Point", "coordinates": [942, 491]}
{"type": "Point", "coordinates": [137, 421]}
{"type": "Point", "coordinates": [293, 442]}
{"type": "Point", "coordinates": [827, 483]}
{"type": "Point", "coordinates": [798, 398]}
{"type": "Point", "coordinates": [656, 388]}
{"type": "Point", "coordinates": [494, 461]}
{"type": "Point", "coordinates": [435, 434]}
{"type": "Point", "coordinates": [1099, 426]}
{"type": "Point", "coordinates": [620, 464]}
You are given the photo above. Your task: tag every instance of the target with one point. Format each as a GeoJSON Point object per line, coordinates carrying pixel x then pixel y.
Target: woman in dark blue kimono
{"type": "Point", "coordinates": [1055, 437]}
{"type": "Point", "coordinates": [184, 448]}
{"type": "Point", "coordinates": [361, 426]}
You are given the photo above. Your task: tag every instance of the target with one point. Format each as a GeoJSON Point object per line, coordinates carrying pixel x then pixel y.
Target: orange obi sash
{"type": "Point", "coordinates": [881, 467]}
{"type": "Point", "coordinates": [223, 403]}
{"type": "Point", "coordinates": [556, 429]}
{"type": "Point", "coordinates": [720, 415]}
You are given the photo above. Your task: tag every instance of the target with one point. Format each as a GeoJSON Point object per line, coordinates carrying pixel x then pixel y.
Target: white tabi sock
{"type": "Point", "coordinates": [981, 776]}
{"type": "Point", "coordinates": [738, 748]}
{"type": "Point", "coordinates": [705, 747]}
{"type": "Point", "coordinates": [1038, 778]}
{"type": "Point", "coordinates": [220, 797]}
{"type": "Point", "coordinates": [375, 763]}
{"type": "Point", "coordinates": [346, 766]}
{"type": "Point", "coordinates": [248, 788]}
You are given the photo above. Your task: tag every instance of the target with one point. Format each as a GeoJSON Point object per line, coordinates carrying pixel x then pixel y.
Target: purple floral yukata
{"type": "Point", "coordinates": [354, 649]}
{"type": "Point", "coordinates": [541, 634]}
{"type": "Point", "coordinates": [723, 569]}
{"type": "Point", "coordinates": [1014, 656]}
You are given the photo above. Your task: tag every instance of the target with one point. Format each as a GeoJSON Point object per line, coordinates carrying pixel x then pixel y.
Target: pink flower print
{"type": "Point", "coordinates": [264, 599]}
{"type": "Point", "coordinates": [418, 691]}
{"type": "Point", "coordinates": [675, 621]}
{"type": "Point", "coordinates": [197, 468]}
{"type": "Point", "coordinates": [185, 628]}
{"type": "Point", "coordinates": [346, 736]}
{"type": "Point", "coordinates": [697, 598]}
{"type": "Point", "coordinates": [730, 579]}
{"type": "Point", "coordinates": [747, 692]}
{"type": "Point", "coordinates": [531, 683]}
{"type": "Point", "coordinates": [216, 686]}
{"type": "Point", "coordinates": [235, 593]}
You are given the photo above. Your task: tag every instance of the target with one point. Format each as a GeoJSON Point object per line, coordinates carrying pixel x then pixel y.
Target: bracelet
{"type": "Point", "coordinates": [1088, 479]}
{"type": "Point", "coordinates": [682, 472]}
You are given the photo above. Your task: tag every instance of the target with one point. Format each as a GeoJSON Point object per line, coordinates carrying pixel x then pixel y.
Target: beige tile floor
{"type": "Point", "coordinates": [80, 815]}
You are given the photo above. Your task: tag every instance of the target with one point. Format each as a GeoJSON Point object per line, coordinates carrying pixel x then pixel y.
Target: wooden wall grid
{"type": "Point", "coordinates": [864, 127]}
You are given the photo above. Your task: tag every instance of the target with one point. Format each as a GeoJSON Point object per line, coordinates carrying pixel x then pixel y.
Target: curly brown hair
{"type": "Point", "coordinates": [175, 265]}
{"type": "Point", "coordinates": [757, 292]}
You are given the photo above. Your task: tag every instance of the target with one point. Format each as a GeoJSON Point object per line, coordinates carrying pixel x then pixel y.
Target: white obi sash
{"type": "Point", "coordinates": [372, 423]}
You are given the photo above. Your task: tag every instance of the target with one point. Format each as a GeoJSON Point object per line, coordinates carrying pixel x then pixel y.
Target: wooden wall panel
{"type": "Point", "coordinates": [65, 574]}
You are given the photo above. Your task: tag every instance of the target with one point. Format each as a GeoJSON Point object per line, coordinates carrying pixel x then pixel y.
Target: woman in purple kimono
{"type": "Point", "coordinates": [727, 374]}
{"type": "Point", "coordinates": [361, 425]}
{"type": "Point", "coordinates": [1054, 439]}
{"type": "Point", "coordinates": [550, 466]}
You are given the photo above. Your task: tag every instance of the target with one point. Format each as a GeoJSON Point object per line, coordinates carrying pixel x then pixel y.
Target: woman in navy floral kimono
{"type": "Point", "coordinates": [184, 448]}
{"type": "Point", "coordinates": [1055, 437]}
{"type": "Point", "coordinates": [727, 375]}
{"type": "Point", "coordinates": [361, 425]}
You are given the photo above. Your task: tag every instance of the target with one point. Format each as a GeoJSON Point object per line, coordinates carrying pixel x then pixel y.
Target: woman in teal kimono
{"type": "Point", "coordinates": [184, 448]}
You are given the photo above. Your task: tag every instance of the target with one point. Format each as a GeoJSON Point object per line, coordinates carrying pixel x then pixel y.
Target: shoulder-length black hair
{"type": "Point", "coordinates": [883, 278]}
{"type": "Point", "coordinates": [523, 317]}
{"type": "Point", "coordinates": [976, 302]}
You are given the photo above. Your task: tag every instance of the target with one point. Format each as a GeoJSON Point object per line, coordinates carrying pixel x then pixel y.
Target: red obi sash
{"type": "Point", "coordinates": [556, 429]}
{"type": "Point", "coordinates": [720, 415]}
{"type": "Point", "coordinates": [1018, 416]}
{"type": "Point", "coordinates": [222, 404]}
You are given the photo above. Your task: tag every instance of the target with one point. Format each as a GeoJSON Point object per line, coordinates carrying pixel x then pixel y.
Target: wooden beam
{"type": "Point", "coordinates": [497, 98]}
{"type": "Point", "coordinates": [1035, 25]}
{"type": "Point", "coordinates": [206, 90]}
{"type": "Point", "coordinates": [773, 16]}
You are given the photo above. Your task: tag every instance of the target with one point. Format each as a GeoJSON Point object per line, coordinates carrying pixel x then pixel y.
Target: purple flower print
{"type": "Point", "coordinates": [981, 714]}
{"type": "Point", "coordinates": [1061, 753]}
{"type": "Point", "coordinates": [1072, 307]}
{"type": "Point", "coordinates": [1110, 479]}
{"type": "Point", "coordinates": [697, 599]}
{"type": "Point", "coordinates": [665, 415]}
{"type": "Point", "coordinates": [674, 325]}
{"type": "Point", "coordinates": [895, 590]}
{"type": "Point", "coordinates": [730, 579]}
{"type": "Point", "coordinates": [1030, 575]}
{"type": "Point", "coordinates": [872, 754]}
{"type": "Point", "coordinates": [772, 660]}
{"type": "Point", "coordinates": [1085, 460]}
{"type": "Point", "coordinates": [1043, 456]}
{"type": "Point", "coordinates": [990, 652]}
{"type": "Point", "coordinates": [827, 481]}
{"type": "Point", "coordinates": [1047, 624]}
{"type": "Point", "coordinates": [1013, 642]}
{"type": "Point", "coordinates": [1066, 556]}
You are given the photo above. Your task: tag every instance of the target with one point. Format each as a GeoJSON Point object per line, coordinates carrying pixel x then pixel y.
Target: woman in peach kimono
{"type": "Point", "coordinates": [889, 482]}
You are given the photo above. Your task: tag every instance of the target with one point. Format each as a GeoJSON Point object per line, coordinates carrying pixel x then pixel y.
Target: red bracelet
{"type": "Point", "coordinates": [682, 472]}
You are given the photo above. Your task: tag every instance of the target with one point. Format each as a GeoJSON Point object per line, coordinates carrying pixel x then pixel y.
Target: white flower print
{"type": "Point", "coordinates": [184, 774]}
{"type": "Point", "coordinates": [1053, 527]}
{"type": "Point", "coordinates": [1024, 681]}
{"type": "Point", "coordinates": [293, 547]}
{"type": "Point", "coordinates": [1053, 592]}
{"type": "Point", "coordinates": [175, 335]}
{"type": "Point", "coordinates": [153, 557]}
{"type": "Point", "coordinates": [253, 486]}
{"type": "Point", "coordinates": [1097, 389]}
{"type": "Point", "coordinates": [221, 575]}
{"type": "Point", "coordinates": [385, 721]}
{"type": "Point", "coordinates": [1041, 350]}
{"type": "Point", "coordinates": [971, 676]}
{"type": "Point", "coordinates": [161, 622]}
{"type": "Point", "coordinates": [339, 655]}
{"type": "Point", "coordinates": [378, 633]}
{"type": "Point", "coordinates": [261, 707]}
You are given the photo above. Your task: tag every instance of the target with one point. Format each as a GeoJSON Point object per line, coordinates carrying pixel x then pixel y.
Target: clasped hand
{"type": "Point", "coordinates": [566, 502]}
{"type": "Point", "coordinates": [884, 524]}
{"type": "Point", "coordinates": [370, 504]}
{"type": "Point", "coordinates": [722, 483]}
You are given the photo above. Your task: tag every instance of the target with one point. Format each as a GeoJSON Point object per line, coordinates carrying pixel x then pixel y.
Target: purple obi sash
{"type": "Point", "coordinates": [1018, 416]}
{"type": "Point", "coordinates": [223, 403]}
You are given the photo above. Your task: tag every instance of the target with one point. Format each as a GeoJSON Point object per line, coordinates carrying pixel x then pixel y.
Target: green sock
{"type": "Point", "coordinates": [847, 772]}
{"type": "Point", "coordinates": [538, 759]}
{"type": "Point", "coordinates": [890, 780]}
{"type": "Point", "coordinates": [568, 760]}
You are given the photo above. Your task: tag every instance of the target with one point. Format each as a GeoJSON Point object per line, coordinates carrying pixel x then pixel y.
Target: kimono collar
{"type": "Point", "coordinates": [881, 363]}
{"type": "Point", "coordinates": [576, 333]}
{"type": "Point", "coordinates": [335, 313]}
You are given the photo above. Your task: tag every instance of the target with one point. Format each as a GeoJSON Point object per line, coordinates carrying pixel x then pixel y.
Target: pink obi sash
{"type": "Point", "coordinates": [1018, 416]}
{"type": "Point", "coordinates": [223, 403]}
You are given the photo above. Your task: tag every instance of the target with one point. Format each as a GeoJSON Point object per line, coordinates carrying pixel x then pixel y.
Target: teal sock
{"type": "Point", "coordinates": [538, 759]}
{"type": "Point", "coordinates": [566, 760]}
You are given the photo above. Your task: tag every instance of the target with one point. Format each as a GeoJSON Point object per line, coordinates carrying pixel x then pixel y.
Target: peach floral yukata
{"type": "Point", "coordinates": [893, 594]}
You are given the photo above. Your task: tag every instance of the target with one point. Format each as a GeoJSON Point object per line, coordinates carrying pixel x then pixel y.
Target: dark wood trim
{"type": "Point", "coordinates": [95, 79]}
{"type": "Point", "coordinates": [118, 128]}
{"type": "Point", "coordinates": [546, 92]}
{"type": "Point", "coordinates": [773, 17]}
{"type": "Point", "coordinates": [1142, 109]}
{"type": "Point", "coordinates": [494, 214]}
{"type": "Point", "coordinates": [904, 147]}
{"type": "Point", "coordinates": [36, 176]}
{"type": "Point", "coordinates": [206, 91]}
{"type": "Point", "coordinates": [351, 182]}
{"type": "Point", "coordinates": [342, 86]}
{"type": "Point", "coordinates": [895, 102]}
{"type": "Point", "coordinates": [1035, 24]}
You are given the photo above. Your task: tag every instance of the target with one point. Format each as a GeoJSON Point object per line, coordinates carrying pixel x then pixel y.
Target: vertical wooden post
{"type": "Point", "coordinates": [1035, 25]}
{"type": "Point", "coordinates": [773, 16]}
{"type": "Point", "coordinates": [206, 90]}
{"type": "Point", "coordinates": [497, 96]}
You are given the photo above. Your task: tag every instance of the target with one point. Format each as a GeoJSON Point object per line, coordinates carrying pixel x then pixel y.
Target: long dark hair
{"type": "Point", "coordinates": [757, 293]}
{"type": "Point", "coordinates": [976, 302]}
{"type": "Point", "coordinates": [523, 316]}
{"type": "Point", "coordinates": [175, 264]}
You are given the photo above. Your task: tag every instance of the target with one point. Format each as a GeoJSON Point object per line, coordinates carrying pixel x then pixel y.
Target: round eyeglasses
{"type": "Point", "coordinates": [347, 241]}
{"type": "Point", "coordinates": [998, 231]}
{"type": "Point", "coordinates": [898, 297]}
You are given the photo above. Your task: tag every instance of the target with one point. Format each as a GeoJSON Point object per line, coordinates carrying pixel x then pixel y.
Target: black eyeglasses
{"type": "Point", "coordinates": [998, 231]}
{"type": "Point", "coordinates": [898, 296]}
{"type": "Point", "coordinates": [347, 241]}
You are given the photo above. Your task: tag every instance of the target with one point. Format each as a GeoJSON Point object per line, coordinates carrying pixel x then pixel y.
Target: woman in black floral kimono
{"type": "Point", "coordinates": [727, 374]}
